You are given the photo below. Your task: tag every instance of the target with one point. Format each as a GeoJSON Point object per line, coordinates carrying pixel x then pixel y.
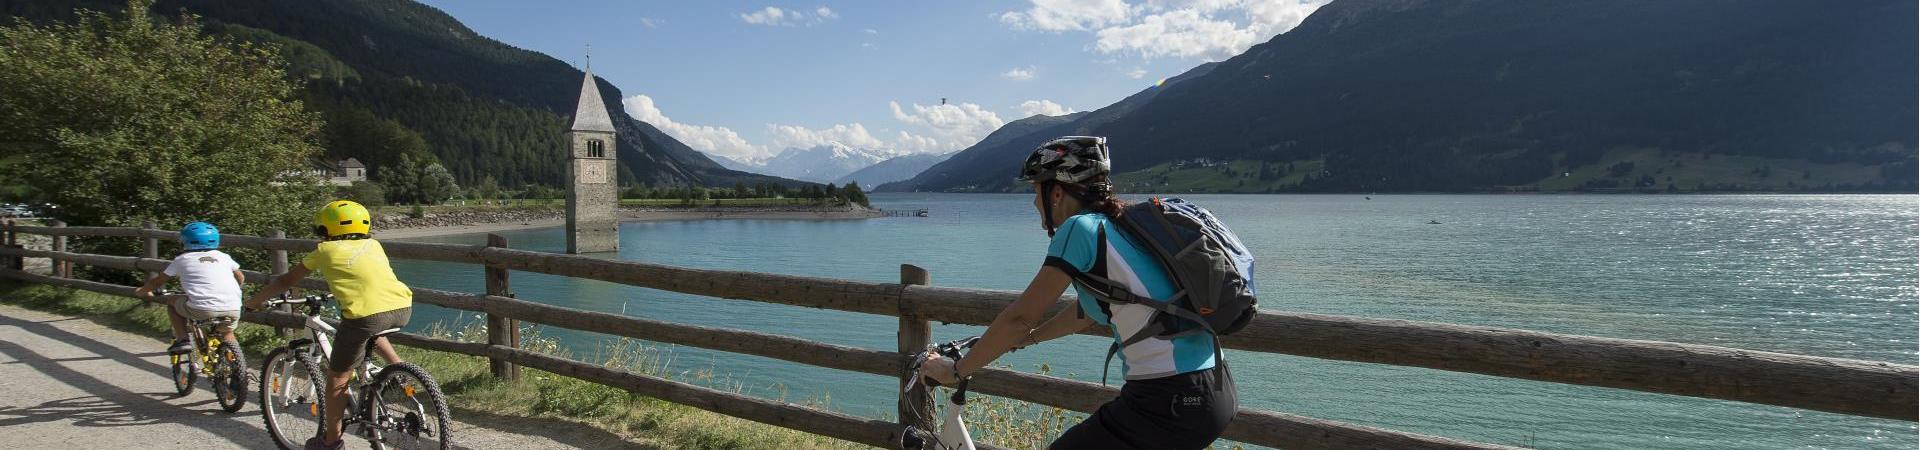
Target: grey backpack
{"type": "Point", "coordinates": [1212, 272]}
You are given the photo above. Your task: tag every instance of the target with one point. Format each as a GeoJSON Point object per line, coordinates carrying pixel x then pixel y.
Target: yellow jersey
{"type": "Point", "coordinates": [361, 279]}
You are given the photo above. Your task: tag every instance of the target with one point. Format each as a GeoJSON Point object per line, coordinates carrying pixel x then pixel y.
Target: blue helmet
{"type": "Point", "coordinates": [200, 236]}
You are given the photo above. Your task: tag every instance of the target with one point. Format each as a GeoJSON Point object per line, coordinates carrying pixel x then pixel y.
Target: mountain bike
{"type": "Point", "coordinates": [953, 434]}
{"type": "Point", "coordinates": [393, 406]}
{"type": "Point", "coordinates": [224, 366]}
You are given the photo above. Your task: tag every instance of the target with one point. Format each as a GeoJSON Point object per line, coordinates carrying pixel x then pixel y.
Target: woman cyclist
{"type": "Point", "coordinates": [1176, 395]}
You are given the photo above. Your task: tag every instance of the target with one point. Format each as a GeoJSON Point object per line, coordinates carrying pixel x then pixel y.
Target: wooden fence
{"type": "Point", "coordinates": [1865, 388]}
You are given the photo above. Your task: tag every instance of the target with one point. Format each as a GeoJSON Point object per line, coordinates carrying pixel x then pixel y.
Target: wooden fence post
{"type": "Point", "coordinates": [149, 247]}
{"type": "Point", "coordinates": [501, 330]}
{"type": "Point", "coordinates": [12, 238]}
{"type": "Point", "coordinates": [60, 268]}
{"type": "Point", "coordinates": [916, 405]}
{"type": "Point", "coordinates": [280, 267]}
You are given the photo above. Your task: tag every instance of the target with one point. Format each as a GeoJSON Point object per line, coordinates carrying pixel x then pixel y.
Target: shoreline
{"type": "Point", "coordinates": [634, 215]}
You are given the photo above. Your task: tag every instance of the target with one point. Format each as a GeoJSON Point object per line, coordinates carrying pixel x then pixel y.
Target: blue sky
{"type": "Point", "coordinates": [750, 79]}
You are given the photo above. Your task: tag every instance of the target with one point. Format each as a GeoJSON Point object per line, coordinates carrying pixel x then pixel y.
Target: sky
{"type": "Point", "coordinates": [748, 80]}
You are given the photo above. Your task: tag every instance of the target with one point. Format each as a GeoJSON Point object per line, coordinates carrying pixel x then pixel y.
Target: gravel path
{"type": "Point", "coordinates": [70, 382]}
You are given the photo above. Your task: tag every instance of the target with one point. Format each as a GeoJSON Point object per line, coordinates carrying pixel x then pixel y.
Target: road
{"type": "Point", "coordinates": [74, 383]}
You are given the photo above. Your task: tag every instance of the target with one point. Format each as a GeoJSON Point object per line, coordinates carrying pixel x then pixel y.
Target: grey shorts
{"type": "Point", "coordinates": [350, 338]}
{"type": "Point", "coordinates": [180, 307]}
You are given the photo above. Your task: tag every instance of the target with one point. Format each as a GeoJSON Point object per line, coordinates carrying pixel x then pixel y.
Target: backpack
{"type": "Point", "coordinates": [1212, 273]}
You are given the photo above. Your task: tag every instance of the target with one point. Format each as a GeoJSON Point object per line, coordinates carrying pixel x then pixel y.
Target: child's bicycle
{"type": "Point", "coordinates": [224, 365]}
{"type": "Point", "coordinates": [395, 406]}
{"type": "Point", "coordinates": [953, 433]}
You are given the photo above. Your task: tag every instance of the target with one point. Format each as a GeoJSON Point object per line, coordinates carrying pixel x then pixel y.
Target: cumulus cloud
{"type": "Point", "coordinates": [711, 139]}
{"type": "Point", "coordinates": [960, 124]}
{"type": "Point", "coordinates": [1042, 107]}
{"type": "Point", "coordinates": [854, 135]}
{"type": "Point", "coordinates": [774, 16]}
{"type": "Point", "coordinates": [1183, 33]}
{"type": "Point", "coordinates": [1188, 29]}
{"type": "Point", "coordinates": [1019, 73]}
{"type": "Point", "coordinates": [1069, 15]}
{"type": "Point", "coordinates": [1137, 73]}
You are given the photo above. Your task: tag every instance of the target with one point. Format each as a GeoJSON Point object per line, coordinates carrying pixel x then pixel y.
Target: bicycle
{"type": "Point", "coordinates": [384, 401]}
{"type": "Point", "coordinates": [224, 366]}
{"type": "Point", "coordinates": [953, 434]}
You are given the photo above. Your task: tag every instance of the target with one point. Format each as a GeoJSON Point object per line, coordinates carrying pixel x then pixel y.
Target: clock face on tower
{"type": "Point", "coordinates": [591, 171]}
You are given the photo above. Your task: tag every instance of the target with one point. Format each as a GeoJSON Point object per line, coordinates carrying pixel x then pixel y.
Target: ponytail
{"type": "Point", "coordinates": [1097, 195]}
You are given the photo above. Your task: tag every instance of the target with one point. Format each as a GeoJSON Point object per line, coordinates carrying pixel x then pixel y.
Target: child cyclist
{"type": "Point", "coordinates": [209, 278]}
{"type": "Point", "coordinates": [372, 300]}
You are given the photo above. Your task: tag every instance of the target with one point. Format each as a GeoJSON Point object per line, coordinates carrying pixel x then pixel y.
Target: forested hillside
{"type": "Point", "coordinates": [1478, 95]}
{"type": "Point", "coordinates": [394, 77]}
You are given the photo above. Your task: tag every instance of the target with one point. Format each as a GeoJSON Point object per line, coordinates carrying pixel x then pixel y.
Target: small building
{"type": "Point", "coordinates": [351, 170]}
{"type": "Point", "coordinates": [339, 173]}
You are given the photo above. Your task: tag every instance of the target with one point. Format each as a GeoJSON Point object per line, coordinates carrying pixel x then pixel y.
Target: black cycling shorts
{"type": "Point", "coordinates": [1182, 411]}
{"type": "Point", "coordinates": [350, 338]}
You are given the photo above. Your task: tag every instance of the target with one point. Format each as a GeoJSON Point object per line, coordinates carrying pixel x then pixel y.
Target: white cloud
{"type": "Point", "coordinates": [650, 23]}
{"type": "Point", "coordinates": [711, 139]}
{"type": "Point", "coordinates": [1019, 73]}
{"type": "Point", "coordinates": [1137, 73]}
{"type": "Point", "coordinates": [960, 124]}
{"type": "Point", "coordinates": [853, 135]}
{"type": "Point", "coordinates": [1065, 15]}
{"type": "Point", "coordinates": [1042, 107]}
{"type": "Point", "coordinates": [1188, 29]}
{"type": "Point", "coordinates": [871, 31]}
{"type": "Point", "coordinates": [1183, 33]}
{"type": "Point", "coordinates": [773, 16]}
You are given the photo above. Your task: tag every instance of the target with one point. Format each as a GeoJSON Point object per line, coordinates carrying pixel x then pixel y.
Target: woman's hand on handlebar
{"type": "Point", "coordinates": [939, 369]}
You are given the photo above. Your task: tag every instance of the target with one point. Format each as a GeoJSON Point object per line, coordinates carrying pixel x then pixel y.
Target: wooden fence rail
{"type": "Point", "coordinates": [1846, 386]}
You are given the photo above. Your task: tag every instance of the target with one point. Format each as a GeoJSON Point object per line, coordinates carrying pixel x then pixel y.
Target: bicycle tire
{"type": "Point", "coordinates": [229, 378]}
{"type": "Point", "coordinates": [185, 373]}
{"type": "Point", "coordinates": [409, 425]}
{"type": "Point", "coordinates": [314, 401]}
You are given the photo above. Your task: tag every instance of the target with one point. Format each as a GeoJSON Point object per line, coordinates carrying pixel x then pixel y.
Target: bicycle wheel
{"type": "Point", "coordinates": [185, 373]}
{"type": "Point", "coordinates": [292, 397]}
{"type": "Point", "coordinates": [229, 377]}
{"type": "Point", "coordinates": [407, 410]}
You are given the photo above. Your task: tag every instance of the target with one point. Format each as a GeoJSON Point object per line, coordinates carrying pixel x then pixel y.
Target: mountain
{"type": "Point", "coordinates": [894, 169]}
{"type": "Point", "coordinates": [821, 164]}
{"type": "Point", "coordinates": [397, 77]}
{"type": "Point", "coordinates": [1478, 95]}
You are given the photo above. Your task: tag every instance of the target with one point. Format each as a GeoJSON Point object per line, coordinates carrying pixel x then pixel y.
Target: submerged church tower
{"type": "Point", "coordinates": [593, 222]}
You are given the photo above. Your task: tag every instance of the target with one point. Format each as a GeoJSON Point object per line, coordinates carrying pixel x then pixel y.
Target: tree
{"type": "Point", "coordinates": [368, 193]}
{"type": "Point", "coordinates": [123, 119]}
{"type": "Point", "coordinates": [487, 189]}
{"type": "Point", "coordinates": [436, 185]}
{"type": "Point", "coordinates": [402, 181]}
{"type": "Point", "coordinates": [854, 194]}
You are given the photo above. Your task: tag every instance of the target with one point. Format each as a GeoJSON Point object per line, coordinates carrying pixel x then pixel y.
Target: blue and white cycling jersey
{"type": "Point", "coordinates": [1077, 242]}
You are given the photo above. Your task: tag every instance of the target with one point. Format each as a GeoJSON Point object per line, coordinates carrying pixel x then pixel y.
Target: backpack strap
{"type": "Point", "coordinates": [1108, 291]}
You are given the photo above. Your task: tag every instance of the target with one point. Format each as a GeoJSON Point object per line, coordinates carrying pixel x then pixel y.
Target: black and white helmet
{"type": "Point", "coordinates": [1069, 159]}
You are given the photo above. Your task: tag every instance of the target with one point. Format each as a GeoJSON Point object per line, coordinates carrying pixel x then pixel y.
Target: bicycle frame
{"type": "Point", "coordinates": [953, 433]}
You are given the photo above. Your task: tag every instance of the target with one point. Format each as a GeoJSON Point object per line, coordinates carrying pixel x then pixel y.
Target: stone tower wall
{"type": "Point", "coordinates": [593, 196]}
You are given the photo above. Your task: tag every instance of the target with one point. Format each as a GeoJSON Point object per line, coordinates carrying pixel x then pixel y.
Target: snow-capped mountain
{"type": "Point", "coordinates": [821, 164]}
{"type": "Point", "coordinates": [895, 169]}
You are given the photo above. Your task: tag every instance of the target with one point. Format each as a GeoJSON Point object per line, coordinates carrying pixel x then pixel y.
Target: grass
{"type": "Point", "coordinates": [643, 421]}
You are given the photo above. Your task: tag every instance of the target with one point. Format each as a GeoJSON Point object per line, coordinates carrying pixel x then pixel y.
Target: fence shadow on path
{"type": "Point", "coordinates": [112, 405]}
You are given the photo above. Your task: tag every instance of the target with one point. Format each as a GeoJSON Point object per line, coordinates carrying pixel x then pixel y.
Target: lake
{"type": "Point", "coordinates": [1807, 274]}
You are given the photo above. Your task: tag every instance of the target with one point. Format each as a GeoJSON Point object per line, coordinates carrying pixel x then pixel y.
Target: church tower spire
{"type": "Point", "coordinates": [593, 224]}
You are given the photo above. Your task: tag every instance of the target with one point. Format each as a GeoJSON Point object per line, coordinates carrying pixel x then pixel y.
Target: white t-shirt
{"type": "Point", "coordinates": [207, 278]}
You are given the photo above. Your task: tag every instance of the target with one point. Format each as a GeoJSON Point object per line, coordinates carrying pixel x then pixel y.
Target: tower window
{"type": "Point", "coordinates": [596, 148]}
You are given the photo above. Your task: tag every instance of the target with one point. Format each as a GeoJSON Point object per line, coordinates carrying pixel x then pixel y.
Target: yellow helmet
{"type": "Point", "coordinates": [343, 217]}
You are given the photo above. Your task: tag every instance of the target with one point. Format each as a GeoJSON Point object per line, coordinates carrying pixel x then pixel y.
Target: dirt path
{"type": "Point", "coordinates": [73, 383]}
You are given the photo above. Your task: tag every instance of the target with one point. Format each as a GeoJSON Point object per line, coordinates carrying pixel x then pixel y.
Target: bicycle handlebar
{"type": "Point", "coordinates": [312, 300]}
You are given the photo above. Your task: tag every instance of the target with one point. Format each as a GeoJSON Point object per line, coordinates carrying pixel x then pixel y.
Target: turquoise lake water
{"type": "Point", "coordinates": [1817, 275]}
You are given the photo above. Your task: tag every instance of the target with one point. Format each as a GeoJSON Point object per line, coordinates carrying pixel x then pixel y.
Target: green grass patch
{"type": "Point", "coordinates": [1647, 169]}
{"type": "Point", "coordinates": [1237, 176]}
